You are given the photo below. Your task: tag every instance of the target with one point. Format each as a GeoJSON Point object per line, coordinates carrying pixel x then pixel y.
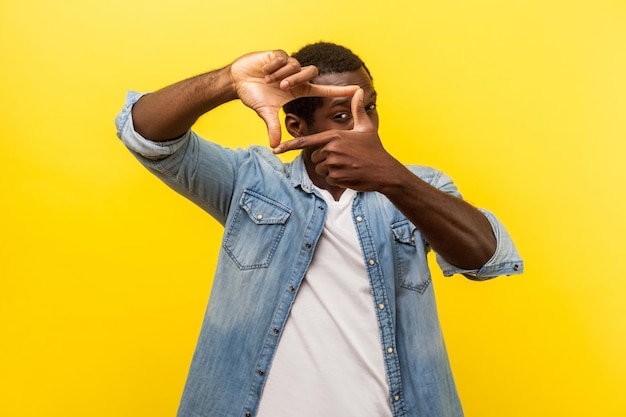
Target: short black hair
{"type": "Point", "coordinates": [329, 58]}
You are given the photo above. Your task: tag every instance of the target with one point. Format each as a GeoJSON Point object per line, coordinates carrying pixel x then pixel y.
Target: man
{"type": "Point", "coordinates": [322, 303]}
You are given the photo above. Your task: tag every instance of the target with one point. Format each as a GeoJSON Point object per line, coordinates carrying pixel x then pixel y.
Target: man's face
{"type": "Point", "coordinates": [336, 113]}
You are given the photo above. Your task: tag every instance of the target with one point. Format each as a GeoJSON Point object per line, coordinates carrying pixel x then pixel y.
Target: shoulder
{"type": "Point", "coordinates": [434, 177]}
{"type": "Point", "coordinates": [425, 173]}
{"type": "Point", "coordinates": [428, 174]}
{"type": "Point", "coordinates": [263, 155]}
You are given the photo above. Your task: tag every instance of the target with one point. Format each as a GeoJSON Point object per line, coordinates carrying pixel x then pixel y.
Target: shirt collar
{"type": "Point", "coordinates": [298, 175]}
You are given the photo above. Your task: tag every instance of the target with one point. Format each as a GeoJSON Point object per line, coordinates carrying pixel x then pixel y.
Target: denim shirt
{"type": "Point", "coordinates": [272, 219]}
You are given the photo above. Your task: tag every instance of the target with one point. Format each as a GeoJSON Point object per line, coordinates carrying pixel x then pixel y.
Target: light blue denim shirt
{"type": "Point", "coordinates": [272, 220]}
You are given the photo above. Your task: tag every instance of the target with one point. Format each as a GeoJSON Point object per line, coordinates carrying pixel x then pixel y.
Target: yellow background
{"type": "Point", "coordinates": [104, 272]}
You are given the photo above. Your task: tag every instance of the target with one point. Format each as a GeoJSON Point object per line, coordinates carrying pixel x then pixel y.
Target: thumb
{"type": "Point", "coordinates": [362, 121]}
{"type": "Point", "coordinates": [273, 125]}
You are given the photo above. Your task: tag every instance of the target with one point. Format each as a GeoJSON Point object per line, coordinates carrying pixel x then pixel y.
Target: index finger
{"type": "Point", "coordinates": [301, 86]}
{"type": "Point", "coordinates": [324, 90]}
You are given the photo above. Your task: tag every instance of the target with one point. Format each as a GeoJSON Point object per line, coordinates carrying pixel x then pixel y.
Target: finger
{"type": "Point", "coordinates": [273, 126]}
{"type": "Point", "coordinates": [291, 68]}
{"type": "Point", "coordinates": [277, 59]}
{"type": "Point", "coordinates": [302, 142]}
{"type": "Point", "coordinates": [322, 169]}
{"type": "Point", "coordinates": [323, 90]}
{"type": "Point", "coordinates": [303, 75]}
{"type": "Point", "coordinates": [362, 121]}
{"type": "Point", "coordinates": [318, 155]}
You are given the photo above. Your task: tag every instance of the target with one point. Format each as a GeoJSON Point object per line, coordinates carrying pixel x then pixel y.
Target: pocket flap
{"type": "Point", "coordinates": [403, 232]}
{"type": "Point", "coordinates": [263, 210]}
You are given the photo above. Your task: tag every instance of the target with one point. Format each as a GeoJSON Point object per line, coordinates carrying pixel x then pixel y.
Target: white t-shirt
{"type": "Point", "coordinates": [329, 361]}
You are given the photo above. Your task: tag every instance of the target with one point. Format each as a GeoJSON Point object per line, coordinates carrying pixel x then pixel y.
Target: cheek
{"type": "Point", "coordinates": [374, 118]}
{"type": "Point", "coordinates": [347, 124]}
{"type": "Point", "coordinates": [330, 125]}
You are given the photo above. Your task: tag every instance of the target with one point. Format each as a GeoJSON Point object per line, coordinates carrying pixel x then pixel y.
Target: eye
{"type": "Point", "coordinates": [342, 116]}
{"type": "Point", "coordinates": [370, 107]}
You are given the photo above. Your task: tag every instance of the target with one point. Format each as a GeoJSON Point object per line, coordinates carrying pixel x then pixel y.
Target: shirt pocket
{"type": "Point", "coordinates": [255, 230]}
{"type": "Point", "coordinates": [410, 257]}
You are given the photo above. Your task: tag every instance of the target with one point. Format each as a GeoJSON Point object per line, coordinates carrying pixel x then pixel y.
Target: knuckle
{"type": "Point", "coordinates": [293, 64]}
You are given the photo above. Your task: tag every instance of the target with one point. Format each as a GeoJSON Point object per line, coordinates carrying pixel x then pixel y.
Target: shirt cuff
{"type": "Point", "coordinates": [134, 141]}
{"type": "Point", "coordinates": [505, 261]}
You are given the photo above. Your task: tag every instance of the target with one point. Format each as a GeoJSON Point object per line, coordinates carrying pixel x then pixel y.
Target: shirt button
{"type": "Point", "coordinates": [259, 217]}
{"type": "Point", "coordinates": [291, 288]}
{"type": "Point", "coordinates": [515, 267]}
{"type": "Point", "coordinates": [307, 245]}
{"type": "Point", "coordinates": [381, 306]}
{"type": "Point", "coordinates": [389, 350]}
{"type": "Point", "coordinates": [359, 218]}
{"type": "Point", "coordinates": [261, 373]}
{"type": "Point", "coordinates": [372, 262]}
{"type": "Point", "coordinates": [276, 331]}
{"type": "Point", "coordinates": [248, 414]}
{"type": "Point", "coordinates": [396, 398]}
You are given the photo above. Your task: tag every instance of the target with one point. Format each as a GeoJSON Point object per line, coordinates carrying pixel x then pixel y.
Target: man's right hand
{"type": "Point", "coordinates": [265, 81]}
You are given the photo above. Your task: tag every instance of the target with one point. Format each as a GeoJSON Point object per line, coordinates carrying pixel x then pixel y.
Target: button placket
{"type": "Point", "coordinates": [384, 312]}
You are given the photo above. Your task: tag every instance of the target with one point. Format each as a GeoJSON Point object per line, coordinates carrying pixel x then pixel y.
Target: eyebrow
{"type": "Point", "coordinates": [341, 101]}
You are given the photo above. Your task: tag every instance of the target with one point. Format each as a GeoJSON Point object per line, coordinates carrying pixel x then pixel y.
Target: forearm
{"type": "Point", "coordinates": [456, 230]}
{"type": "Point", "coordinates": [169, 112]}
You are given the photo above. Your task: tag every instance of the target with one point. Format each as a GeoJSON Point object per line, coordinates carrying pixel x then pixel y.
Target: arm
{"type": "Point", "coordinates": [459, 232]}
{"type": "Point", "coordinates": [356, 159]}
{"type": "Point", "coordinates": [170, 112]}
{"type": "Point", "coordinates": [264, 81]}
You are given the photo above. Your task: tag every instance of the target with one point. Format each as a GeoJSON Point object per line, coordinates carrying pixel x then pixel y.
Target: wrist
{"type": "Point", "coordinates": [218, 87]}
{"type": "Point", "coordinates": [396, 180]}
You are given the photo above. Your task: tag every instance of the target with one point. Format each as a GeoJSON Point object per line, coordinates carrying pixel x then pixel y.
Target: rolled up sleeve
{"type": "Point", "coordinates": [505, 261]}
{"type": "Point", "coordinates": [137, 143]}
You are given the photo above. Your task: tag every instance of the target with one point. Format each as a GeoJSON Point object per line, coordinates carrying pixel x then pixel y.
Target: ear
{"type": "Point", "coordinates": [295, 125]}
